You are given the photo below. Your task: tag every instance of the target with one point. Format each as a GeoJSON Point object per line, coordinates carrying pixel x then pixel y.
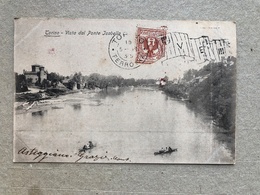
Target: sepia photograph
{"type": "Point", "coordinates": [124, 91]}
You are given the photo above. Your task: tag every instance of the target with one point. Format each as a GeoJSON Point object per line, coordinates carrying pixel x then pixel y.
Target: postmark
{"type": "Point", "coordinates": [150, 44]}
{"type": "Point", "coordinates": [125, 92]}
{"type": "Point", "coordinates": [121, 51]}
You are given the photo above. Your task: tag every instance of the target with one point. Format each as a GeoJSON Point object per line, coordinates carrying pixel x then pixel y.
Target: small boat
{"type": "Point", "coordinates": [89, 146]}
{"type": "Point", "coordinates": [166, 151]}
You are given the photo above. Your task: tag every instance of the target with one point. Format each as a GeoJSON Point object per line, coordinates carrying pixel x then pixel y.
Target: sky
{"type": "Point", "coordinates": [45, 42]}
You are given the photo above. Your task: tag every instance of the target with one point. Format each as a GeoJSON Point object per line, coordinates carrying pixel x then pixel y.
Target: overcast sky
{"type": "Point", "coordinates": [68, 54]}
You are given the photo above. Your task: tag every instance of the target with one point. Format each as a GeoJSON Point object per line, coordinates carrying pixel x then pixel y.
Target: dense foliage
{"type": "Point", "coordinates": [20, 83]}
{"type": "Point", "coordinates": [96, 80]}
{"type": "Point", "coordinates": [210, 89]}
{"type": "Point", "coordinates": [216, 94]}
{"type": "Point", "coordinates": [54, 77]}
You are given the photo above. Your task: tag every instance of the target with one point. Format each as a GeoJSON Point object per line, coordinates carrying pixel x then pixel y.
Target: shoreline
{"type": "Point", "coordinates": [36, 100]}
{"type": "Point", "coordinates": [41, 100]}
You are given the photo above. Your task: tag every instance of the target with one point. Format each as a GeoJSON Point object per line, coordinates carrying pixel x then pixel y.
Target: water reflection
{"type": "Point", "coordinates": [131, 123]}
{"type": "Point", "coordinates": [95, 102]}
{"type": "Point", "coordinates": [39, 113]}
{"type": "Point", "coordinates": [76, 106]}
{"type": "Point", "coordinates": [111, 92]}
{"type": "Point", "coordinates": [223, 136]}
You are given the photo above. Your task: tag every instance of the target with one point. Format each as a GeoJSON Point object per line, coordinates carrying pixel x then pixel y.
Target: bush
{"type": "Point", "coordinates": [20, 83]}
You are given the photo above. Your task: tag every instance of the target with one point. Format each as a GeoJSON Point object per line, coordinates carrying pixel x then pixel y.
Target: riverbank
{"type": "Point", "coordinates": [37, 94]}
{"type": "Point", "coordinates": [52, 98]}
{"type": "Point", "coordinates": [36, 98]}
{"type": "Point", "coordinates": [119, 118]}
{"type": "Point", "coordinates": [211, 89]}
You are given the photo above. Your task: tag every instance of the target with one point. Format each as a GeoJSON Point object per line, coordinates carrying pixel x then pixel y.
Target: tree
{"type": "Point", "coordinates": [78, 78]}
{"type": "Point", "coordinates": [54, 77]}
{"type": "Point", "coordinates": [94, 80]}
{"type": "Point", "coordinates": [45, 83]}
{"type": "Point", "coordinates": [20, 83]}
{"type": "Point", "coordinates": [29, 81]}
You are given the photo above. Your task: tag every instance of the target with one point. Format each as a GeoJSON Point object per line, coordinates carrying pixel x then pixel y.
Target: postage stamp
{"type": "Point", "coordinates": [124, 91]}
{"type": "Point", "coordinates": [150, 44]}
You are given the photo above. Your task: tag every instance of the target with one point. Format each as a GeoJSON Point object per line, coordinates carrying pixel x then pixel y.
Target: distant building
{"type": "Point", "coordinates": [162, 81]}
{"type": "Point", "coordinates": [38, 74]}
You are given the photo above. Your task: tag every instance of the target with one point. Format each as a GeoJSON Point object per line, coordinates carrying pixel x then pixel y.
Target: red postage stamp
{"type": "Point", "coordinates": [150, 45]}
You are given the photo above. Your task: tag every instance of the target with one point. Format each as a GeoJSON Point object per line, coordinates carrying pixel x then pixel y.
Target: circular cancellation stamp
{"type": "Point", "coordinates": [121, 51]}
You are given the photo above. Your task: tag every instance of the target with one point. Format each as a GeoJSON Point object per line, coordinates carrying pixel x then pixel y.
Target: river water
{"type": "Point", "coordinates": [127, 122]}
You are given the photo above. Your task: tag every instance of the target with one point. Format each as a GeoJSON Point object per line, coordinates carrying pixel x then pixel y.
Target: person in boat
{"type": "Point", "coordinates": [85, 147]}
{"type": "Point", "coordinates": [88, 146]}
{"type": "Point", "coordinates": [161, 151]}
{"type": "Point", "coordinates": [170, 149]}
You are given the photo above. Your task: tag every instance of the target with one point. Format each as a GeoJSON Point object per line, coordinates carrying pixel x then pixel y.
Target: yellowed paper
{"type": "Point", "coordinates": [124, 91]}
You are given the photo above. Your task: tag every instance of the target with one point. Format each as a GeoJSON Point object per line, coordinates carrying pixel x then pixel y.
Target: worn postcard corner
{"type": "Point", "coordinates": [124, 91]}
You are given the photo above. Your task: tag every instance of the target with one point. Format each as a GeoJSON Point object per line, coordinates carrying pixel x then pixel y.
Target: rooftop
{"type": "Point", "coordinates": [37, 65]}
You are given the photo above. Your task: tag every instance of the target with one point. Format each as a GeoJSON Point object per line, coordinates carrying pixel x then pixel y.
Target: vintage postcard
{"type": "Point", "coordinates": [124, 91]}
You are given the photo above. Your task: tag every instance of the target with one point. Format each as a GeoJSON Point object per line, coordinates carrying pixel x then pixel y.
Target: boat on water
{"type": "Point", "coordinates": [89, 146]}
{"type": "Point", "coordinates": [168, 150]}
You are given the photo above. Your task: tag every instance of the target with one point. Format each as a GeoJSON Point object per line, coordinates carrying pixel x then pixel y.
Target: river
{"type": "Point", "coordinates": [128, 122]}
